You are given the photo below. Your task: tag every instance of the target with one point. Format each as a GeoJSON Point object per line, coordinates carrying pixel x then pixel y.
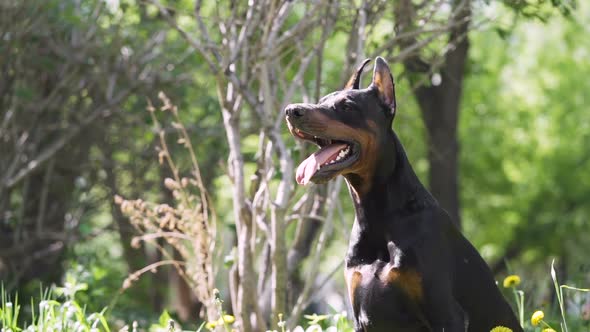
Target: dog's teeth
{"type": "Point", "coordinates": [341, 155]}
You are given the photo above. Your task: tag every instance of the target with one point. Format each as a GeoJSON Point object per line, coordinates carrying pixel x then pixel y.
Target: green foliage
{"type": "Point", "coordinates": [59, 308]}
{"type": "Point", "coordinates": [524, 137]}
{"type": "Point", "coordinates": [65, 309]}
{"type": "Point", "coordinates": [329, 323]}
{"type": "Point", "coordinates": [53, 312]}
{"type": "Point", "coordinates": [538, 318]}
{"type": "Point", "coordinates": [541, 10]}
{"type": "Point", "coordinates": [165, 323]}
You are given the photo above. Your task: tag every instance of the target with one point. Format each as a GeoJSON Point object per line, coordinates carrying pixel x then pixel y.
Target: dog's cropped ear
{"type": "Point", "coordinates": [383, 83]}
{"type": "Point", "coordinates": [355, 79]}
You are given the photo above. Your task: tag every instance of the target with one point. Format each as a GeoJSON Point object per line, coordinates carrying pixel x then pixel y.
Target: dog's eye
{"type": "Point", "coordinates": [350, 107]}
{"type": "Point", "coordinates": [345, 107]}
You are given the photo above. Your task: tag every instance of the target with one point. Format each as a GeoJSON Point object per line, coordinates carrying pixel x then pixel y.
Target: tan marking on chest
{"type": "Point", "coordinates": [353, 279]}
{"type": "Point", "coordinates": [409, 281]}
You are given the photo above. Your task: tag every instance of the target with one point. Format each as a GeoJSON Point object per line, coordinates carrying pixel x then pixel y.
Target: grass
{"type": "Point", "coordinates": [538, 321]}
{"type": "Point", "coordinates": [56, 309]}
{"type": "Point", "coordinates": [49, 314]}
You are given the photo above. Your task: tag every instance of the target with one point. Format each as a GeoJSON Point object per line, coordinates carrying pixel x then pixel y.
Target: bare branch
{"type": "Point", "coordinates": [10, 181]}
{"type": "Point", "coordinates": [320, 246]}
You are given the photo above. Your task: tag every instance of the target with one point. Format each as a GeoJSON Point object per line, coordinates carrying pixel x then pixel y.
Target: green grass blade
{"type": "Point", "coordinates": [559, 296]}
{"type": "Point", "coordinates": [103, 320]}
{"type": "Point", "coordinates": [201, 327]}
{"type": "Point", "coordinates": [575, 288]}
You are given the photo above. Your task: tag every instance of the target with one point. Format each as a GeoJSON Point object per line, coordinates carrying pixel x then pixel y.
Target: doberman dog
{"type": "Point", "coordinates": [408, 268]}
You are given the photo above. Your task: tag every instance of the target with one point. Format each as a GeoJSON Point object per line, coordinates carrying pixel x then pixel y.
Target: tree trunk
{"type": "Point", "coordinates": [33, 247]}
{"type": "Point", "coordinates": [134, 257]}
{"type": "Point", "coordinates": [439, 101]}
{"type": "Point", "coordinates": [439, 106]}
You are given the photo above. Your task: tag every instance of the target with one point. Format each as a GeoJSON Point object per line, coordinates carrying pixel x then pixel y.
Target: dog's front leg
{"type": "Point", "coordinates": [454, 319]}
{"type": "Point", "coordinates": [443, 312]}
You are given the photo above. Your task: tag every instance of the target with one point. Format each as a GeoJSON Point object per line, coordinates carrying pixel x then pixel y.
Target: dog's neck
{"type": "Point", "coordinates": [394, 189]}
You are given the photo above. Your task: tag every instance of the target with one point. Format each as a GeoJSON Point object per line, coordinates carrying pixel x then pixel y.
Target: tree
{"type": "Point", "coordinates": [439, 97]}
{"type": "Point", "coordinates": [69, 70]}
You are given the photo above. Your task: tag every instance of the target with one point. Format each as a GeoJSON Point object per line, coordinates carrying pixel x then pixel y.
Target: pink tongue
{"type": "Point", "coordinates": [310, 165]}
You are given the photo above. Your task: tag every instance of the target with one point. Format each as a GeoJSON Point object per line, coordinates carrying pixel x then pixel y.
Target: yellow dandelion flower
{"type": "Point", "coordinates": [511, 281]}
{"type": "Point", "coordinates": [501, 329]}
{"type": "Point", "coordinates": [549, 330]}
{"type": "Point", "coordinates": [229, 319]}
{"type": "Point", "coordinates": [537, 317]}
{"type": "Point", "coordinates": [211, 325]}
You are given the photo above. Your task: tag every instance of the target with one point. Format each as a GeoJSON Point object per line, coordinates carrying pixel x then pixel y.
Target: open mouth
{"type": "Point", "coordinates": [333, 156]}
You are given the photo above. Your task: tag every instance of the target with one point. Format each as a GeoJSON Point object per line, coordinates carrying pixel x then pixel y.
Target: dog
{"type": "Point", "coordinates": [408, 268]}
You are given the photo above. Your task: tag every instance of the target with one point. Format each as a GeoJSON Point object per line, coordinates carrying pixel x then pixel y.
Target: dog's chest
{"type": "Point", "coordinates": [385, 293]}
{"type": "Point", "coordinates": [384, 285]}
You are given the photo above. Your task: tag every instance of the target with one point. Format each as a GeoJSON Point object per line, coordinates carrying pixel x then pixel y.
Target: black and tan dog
{"type": "Point", "coordinates": [408, 268]}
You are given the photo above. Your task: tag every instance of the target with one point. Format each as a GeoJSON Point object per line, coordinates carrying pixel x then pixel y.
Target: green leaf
{"type": "Point", "coordinates": [229, 260]}
{"type": "Point", "coordinates": [315, 318]}
{"type": "Point", "coordinates": [164, 319]}
{"type": "Point", "coordinates": [103, 320]}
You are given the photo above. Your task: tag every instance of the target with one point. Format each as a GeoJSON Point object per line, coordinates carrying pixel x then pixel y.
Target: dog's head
{"type": "Point", "coordinates": [351, 127]}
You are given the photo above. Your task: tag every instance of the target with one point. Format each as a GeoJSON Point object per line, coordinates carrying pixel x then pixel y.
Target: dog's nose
{"type": "Point", "coordinates": [294, 110]}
